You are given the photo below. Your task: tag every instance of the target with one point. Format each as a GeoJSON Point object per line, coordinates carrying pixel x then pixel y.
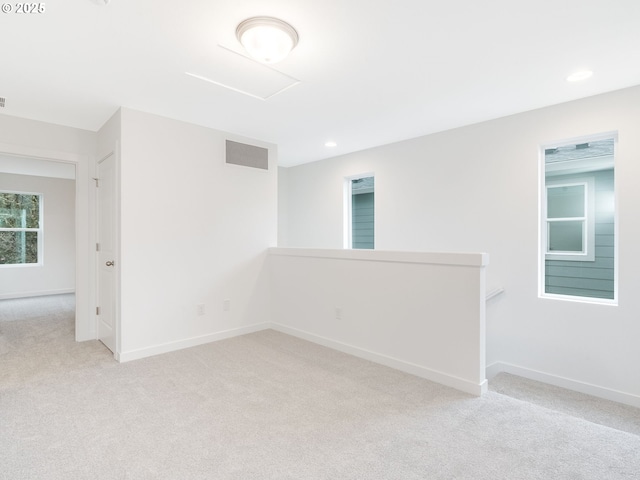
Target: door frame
{"type": "Point", "coordinates": [85, 324]}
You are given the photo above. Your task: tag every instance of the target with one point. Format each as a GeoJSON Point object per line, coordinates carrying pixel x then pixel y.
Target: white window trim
{"type": "Point", "coordinates": [588, 231]}
{"type": "Point", "coordinates": [39, 230]}
{"type": "Point", "coordinates": [347, 240]}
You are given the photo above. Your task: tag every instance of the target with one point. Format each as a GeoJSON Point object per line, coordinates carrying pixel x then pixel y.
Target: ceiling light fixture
{"type": "Point", "coordinates": [579, 76]}
{"type": "Point", "coordinates": [267, 39]}
{"type": "Point", "coordinates": [331, 144]}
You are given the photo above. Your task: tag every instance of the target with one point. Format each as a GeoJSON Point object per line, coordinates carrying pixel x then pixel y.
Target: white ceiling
{"type": "Point", "coordinates": [371, 71]}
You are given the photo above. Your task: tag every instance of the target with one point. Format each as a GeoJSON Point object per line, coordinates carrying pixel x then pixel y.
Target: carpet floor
{"type": "Point", "coordinates": [270, 406]}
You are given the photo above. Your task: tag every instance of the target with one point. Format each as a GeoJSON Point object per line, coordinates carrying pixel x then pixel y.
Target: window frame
{"type": "Point", "coordinates": [542, 176]}
{"type": "Point", "coordinates": [39, 231]}
{"type": "Point", "coordinates": [348, 209]}
{"type": "Point", "coordinates": [588, 220]}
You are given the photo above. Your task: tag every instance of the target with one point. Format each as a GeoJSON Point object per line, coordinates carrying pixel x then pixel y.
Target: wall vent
{"type": "Point", "coordinates": [2, 100]}
{"type": "Point", "coordinates": [247, 155]}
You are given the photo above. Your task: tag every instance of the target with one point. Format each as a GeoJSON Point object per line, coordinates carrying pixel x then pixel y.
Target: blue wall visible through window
{"type": "Point", "coordinates": [579, 220]}
{"type": "Point", "coordinates": [362, 213]}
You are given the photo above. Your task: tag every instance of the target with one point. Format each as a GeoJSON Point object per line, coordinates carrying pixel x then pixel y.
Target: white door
{"type": "Point", "coordinates": [106, 295]}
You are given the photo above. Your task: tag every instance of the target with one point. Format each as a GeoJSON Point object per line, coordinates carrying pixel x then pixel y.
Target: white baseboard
{"type": "Point", "coordinates": [188, 342]}
{"type": "Point", "coordinates": [582, 387]}
{"type": "Point", "coordinates": [420, 371]}
{"type": "Point", "coordinates": [494, 369]}
{"type": "Point", "coordinates": [417, 370]}
{"type": "Point", "coordinates": [9, 296]}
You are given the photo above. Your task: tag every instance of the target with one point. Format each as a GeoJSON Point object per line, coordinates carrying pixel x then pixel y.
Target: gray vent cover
{"type": "Point", "coordinates": [247, 155]}
{"type": "Point", "coordinates": [2, 100]}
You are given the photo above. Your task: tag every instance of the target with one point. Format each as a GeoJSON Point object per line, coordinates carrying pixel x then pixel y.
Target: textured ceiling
{"type": "Point", "coordinates": [370, 72]}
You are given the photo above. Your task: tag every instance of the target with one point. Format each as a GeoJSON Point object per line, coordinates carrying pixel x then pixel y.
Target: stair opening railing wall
{"type": "Point", "coordinates": [420, 312]}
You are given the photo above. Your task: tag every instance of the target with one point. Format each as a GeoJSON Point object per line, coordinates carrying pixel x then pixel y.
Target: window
{"type": "Point", "coordinates": [360, 212]}
{"type": "Point", "coordinates": [578, 229]}
{"type": "Point", "coordinates": [20, 228]}
{"type": "Point", "coordinates": [570, 219]}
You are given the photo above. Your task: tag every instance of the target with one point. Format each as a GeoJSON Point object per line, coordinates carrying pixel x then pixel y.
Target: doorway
{"type": "Point", "coordinates": [37, 233]}
{"type": "Point", "coordinates": [17, 156]}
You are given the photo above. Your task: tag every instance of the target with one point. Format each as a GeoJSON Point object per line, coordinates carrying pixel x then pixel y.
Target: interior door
{"type": "Point", "coordinates": [106, 294]}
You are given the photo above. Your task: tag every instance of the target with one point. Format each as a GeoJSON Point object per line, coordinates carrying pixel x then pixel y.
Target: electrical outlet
{"type": "Point", "coordinates": [338, 313]}
{"type": "Point", "coordinates": [226, 305]}
{"type": "Point", "coordinates": [200, 309]}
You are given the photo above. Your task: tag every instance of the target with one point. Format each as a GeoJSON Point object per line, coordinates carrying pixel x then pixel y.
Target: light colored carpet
{"type": "Point", "coordinates": [270, 406]}
{"type": "Point", "coordinates": [596, 410]}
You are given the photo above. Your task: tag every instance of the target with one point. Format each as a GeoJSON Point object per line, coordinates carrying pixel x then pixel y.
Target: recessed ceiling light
{"type": "Point", "coordinates": [579, 76]}
{"type": "Point", "coordinates": [331, 144]}
{"type": "Point", "coordinates": [267, 39]}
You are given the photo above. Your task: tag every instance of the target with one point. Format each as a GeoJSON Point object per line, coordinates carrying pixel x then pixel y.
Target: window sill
{"type": "Point", "coordinates": [576, 299]}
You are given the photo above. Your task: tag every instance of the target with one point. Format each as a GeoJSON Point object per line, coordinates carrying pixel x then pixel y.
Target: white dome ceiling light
{"type": "Point", "coordinates": [267, 39]}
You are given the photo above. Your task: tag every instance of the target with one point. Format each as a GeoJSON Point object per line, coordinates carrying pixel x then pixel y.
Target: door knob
{"type": "Point", "coordinates": [110, 263]}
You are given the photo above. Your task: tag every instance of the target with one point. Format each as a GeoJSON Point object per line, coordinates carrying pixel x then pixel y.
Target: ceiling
{"type": "Point", "coordinates": [370, 72]}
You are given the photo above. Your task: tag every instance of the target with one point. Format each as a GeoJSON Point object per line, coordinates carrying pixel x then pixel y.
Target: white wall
{"type": "Point", "coordinates": [423, 313]}
{"type": "Point", "coordinates": [109, 136]}
{"type": "Point", "coordinates": [476, 189]}
{"type": "Point", "coordinates": [57, 272]}
{"type": "Point", "coordinates": [30, 138]}
{"type": "Point", "coordinates": [194, 230]}
{"type": "Point", "coordinates": [283, 205]}
{"type": "Point", "coordinates": [39, 168]}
